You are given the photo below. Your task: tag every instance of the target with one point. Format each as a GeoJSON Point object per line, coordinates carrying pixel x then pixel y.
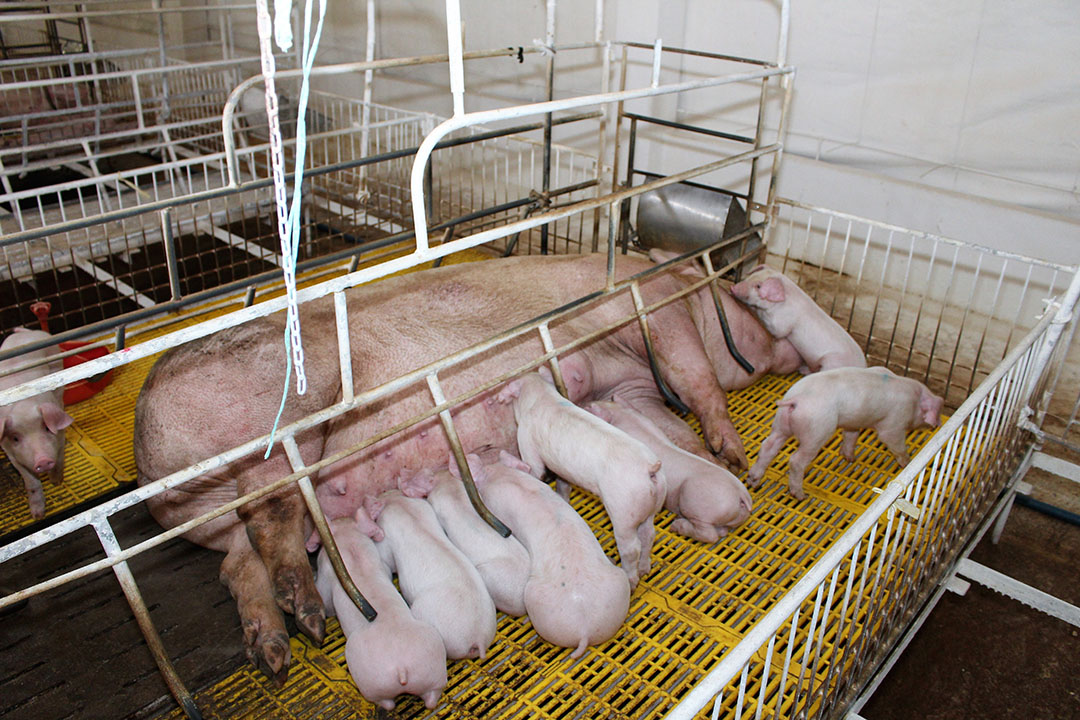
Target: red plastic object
{"type": "Point", "coordinates": [82, 389]}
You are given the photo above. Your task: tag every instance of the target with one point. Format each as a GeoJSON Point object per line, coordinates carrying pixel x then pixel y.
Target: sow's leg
{"type": "Point", "coordinates": [266, 641]}
{"type": "Point", "coordinates": [275, 526]}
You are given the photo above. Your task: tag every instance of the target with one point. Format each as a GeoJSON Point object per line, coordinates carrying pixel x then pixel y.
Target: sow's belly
{"type": "Point", "coordinates": [342, 486]}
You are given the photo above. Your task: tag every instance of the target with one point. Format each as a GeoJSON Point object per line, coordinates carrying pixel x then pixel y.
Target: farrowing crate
{"type": "Point", "coordinates": [826, 601]}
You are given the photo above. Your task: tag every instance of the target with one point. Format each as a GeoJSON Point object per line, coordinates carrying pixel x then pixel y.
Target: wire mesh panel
{"type": "Point", "coordinates": [941, 311]}
{"type": "Point", "coordinates": [809, 656]}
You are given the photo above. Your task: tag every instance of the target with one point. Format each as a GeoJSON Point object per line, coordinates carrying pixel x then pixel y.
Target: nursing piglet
{"type": "Point", "coordinates": [575, 597]}
{"type": "Point", "coordinates": [788, 312]}
{"type": "Point", "coordinates": [503, 563]}
{"type": "Point", "coordinates": [439, 583]}
{"type": "Point", "coordinates": [851, 399]}
{"type": "Point", "coordinates": [708, 499]}
{"type": "Point", "coordinates": [584, 450]}
{"type": "Point", "coordinates": [32, 429]}
{"type": "Point", "coordinates": [395, 653]}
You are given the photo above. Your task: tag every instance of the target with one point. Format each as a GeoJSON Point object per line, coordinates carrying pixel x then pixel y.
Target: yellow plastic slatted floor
{"type": "Point", "coordinates": [697, 602]}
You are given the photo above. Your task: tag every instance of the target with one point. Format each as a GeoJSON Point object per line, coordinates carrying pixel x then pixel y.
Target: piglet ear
{"type": "Point", "coordinates": [512, 461]}
{"type": "Point", "coordinates": [3, 423]}
{"type": "Point", "coordinates": [54, 416]}
{"type": "Point", "coordinates": [930, 406]}
{"type": "Point", "coordinates": [772, 289]}
{"type": "Point", "coordinates": [545, 373]}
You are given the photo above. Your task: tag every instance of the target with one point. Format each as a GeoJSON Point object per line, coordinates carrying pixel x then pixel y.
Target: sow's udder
{"type": "Point", "coordinates": [343, 485]}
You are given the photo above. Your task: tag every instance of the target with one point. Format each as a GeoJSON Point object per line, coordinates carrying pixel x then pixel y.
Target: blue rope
{"type": "Point", "coordinates": [291, 245]}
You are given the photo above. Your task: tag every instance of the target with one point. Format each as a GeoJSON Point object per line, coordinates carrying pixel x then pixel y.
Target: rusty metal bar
{"type": "Point", "coordinates": [323, 528]}
{"type": "Point", "coordinates": [661, 384]}
{"type": "Point", "coordinates": [462, 463]}
{"type": "Point", "coordinates": [146, 625]}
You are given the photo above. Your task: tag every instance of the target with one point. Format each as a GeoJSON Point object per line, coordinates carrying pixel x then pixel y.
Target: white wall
{"type": "Point", "coordinates": [958, 118]}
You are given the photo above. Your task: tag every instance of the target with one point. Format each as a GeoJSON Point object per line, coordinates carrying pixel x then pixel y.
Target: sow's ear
{"type": "Point", "coordinates": [772, 289]}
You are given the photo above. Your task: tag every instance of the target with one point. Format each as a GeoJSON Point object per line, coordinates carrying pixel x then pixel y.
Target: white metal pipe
{"type": "Point", "coordinates": [782, 41]}
{"type": "Point", "coordinates": [489, 116]}
{"type": "Point", "coordinates": [734, 659]}
{"type": "Point", "coordinates": [187, 68]}
{"type": "Point", "coordinates": [369, 76]}
{"type": "Point", "coordinates": [229, 108]}
{"type": "Point", "coordinates": [88, 14]}
{"type": "Point", "coordinates": [455, 50]}
{"type": "Point", "coordinates": [341, 318]}
{"type": "Point", "coordinates": [658, 54]}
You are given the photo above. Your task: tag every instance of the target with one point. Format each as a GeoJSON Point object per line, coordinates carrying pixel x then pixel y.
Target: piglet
{"type": "Point", "coordinates": [584, 450]}
{"type": "Point", "coordinates": [707, 498]}
{"type": "Point", "coordinates": [32, 429]}
{"type": "Point", "coordinates": [395, 653]}
{"type": "Point", "coordinates": [851, 399]}
{"type": "Point", "coordinates": [439, 583]}
{"type": "Point", "coordinates": [575, 597]}
{"type": "Point", "coordinates": [503, 563]}
{"type": "Point", "coordinates": [788, 312]}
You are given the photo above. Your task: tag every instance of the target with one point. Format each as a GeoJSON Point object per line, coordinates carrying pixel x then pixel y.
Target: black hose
{"type": "Point", "coordinates": [1047, 509]}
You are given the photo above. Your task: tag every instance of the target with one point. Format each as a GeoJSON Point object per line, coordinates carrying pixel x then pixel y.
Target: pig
{"type": "Point", "coordinates": [439, 583]}
{"type": "Point", "coordinates": [707, 499]}
{"type": "Point", "coordinates": [851, 399]}
{"type": "Point", "coordinates": [395, 653]}
{"type": "Point", "coordinates": [32, 429]}
{"type": "Point", "coordinates": [575, 597]}
{"type": "Point", "coordinates": [503, 562]}
{"type": "Point", "coordinates": [554, 433]}
{"type": "Point", "coordinates": [788, 312]}
{"type": "Point", "coordinates": [220, 391]}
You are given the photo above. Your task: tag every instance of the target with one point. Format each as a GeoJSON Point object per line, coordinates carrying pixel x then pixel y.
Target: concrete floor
{"type": "Point", "coordinates": [987, 656]}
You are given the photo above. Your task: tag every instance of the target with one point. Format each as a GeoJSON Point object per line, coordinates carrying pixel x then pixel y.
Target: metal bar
{"type": "Point", "coordinates": [556, 371]}
{"type": "Point", "coordinates": [696, 53]}
{"type": "Point", "coordinates": [480, 118]}
{"type": "Point", "coordinates": [735, 658]}
{"type": "Point", "coordinates": [257, 445]}
{"type": "Point", "coordinates": [206, 195]}
{"type": "Point", "coordinates": [146, 624]}
{"type": "Point", "coordinates": [661, 384]}
{"type": "Point", "coordinates": [462, 463]}
{"type": "Point", "coordinates": [341, 319]}
{"type": "Point", "coordinates": [923, 235]}
{"type": "Point", "coordinates": [689, 128]}
{"type": "Point", "coordinates": [323, 528]}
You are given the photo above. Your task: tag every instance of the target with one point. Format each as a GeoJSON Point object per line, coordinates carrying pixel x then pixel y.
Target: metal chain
{"type": "Point", "coordinates": [277, 162]}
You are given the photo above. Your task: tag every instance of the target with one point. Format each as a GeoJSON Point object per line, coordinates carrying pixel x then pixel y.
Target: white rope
{"type": "Point", "coordinates": [288, 218]}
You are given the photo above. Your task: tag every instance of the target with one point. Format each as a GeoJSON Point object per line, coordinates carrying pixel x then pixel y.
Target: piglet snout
{"type": "Point", "coordinates": [43, 464]}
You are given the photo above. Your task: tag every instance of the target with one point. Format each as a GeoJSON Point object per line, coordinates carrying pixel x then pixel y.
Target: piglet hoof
{"type": "Point", "coordinates": [796, 491]}
{"type": "Point", "coordinates": [753, 478]}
